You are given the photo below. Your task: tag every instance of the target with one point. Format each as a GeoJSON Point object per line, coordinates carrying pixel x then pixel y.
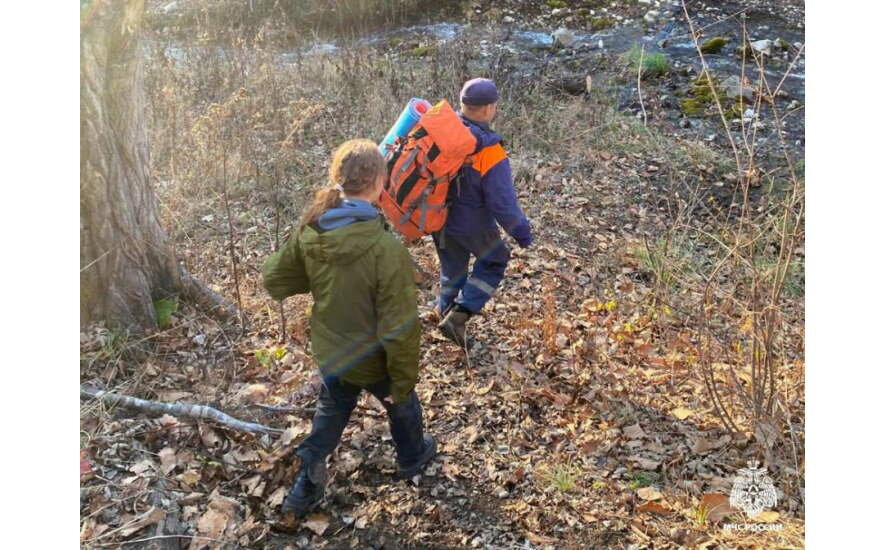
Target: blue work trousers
{"type": "Point", "coordinates": [334, 406]}
{"type": "Point", "coordinates": [473, 289]}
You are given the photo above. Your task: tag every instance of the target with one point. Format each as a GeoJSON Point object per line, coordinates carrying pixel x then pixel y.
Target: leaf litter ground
{"type": "Point", "coordinates": [570, 425]}
{"type": "Point", "coordinates": [576, 422]}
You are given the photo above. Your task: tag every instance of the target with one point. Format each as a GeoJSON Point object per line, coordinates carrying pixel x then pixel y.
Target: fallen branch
{"type": "Point", "coordinates": [200, 294]}
{"type": "Point", "coordinates": [187, 410]}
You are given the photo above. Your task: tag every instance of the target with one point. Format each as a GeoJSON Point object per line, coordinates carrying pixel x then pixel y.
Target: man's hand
{"type": "Point", "coordinates": [525, 242]}
{"type": "Point", "coordinates": [389, 400]}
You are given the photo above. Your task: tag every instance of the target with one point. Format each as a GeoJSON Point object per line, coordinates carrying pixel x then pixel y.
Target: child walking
{"type": "Point", "coordinates": [364, 323]}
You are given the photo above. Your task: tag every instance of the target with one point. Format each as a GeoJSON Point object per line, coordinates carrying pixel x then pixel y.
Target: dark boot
{"type": "Point", "coordinates": [453, 324]}
{"type": "Point", "coordinates": [429, 453]}
{"type": "Point", "coordinates": [307, 490]}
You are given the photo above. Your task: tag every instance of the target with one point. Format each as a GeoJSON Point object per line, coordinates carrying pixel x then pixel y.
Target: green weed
{"type": "Point", "coordinates": [114, 344]}
{"type": "Point", "coordinates": [561, 477]}
{"type": "Point", "coordinates": [669, 261]}
{"type": "Point", "coordinates": [654, 64]}
{"type": "Point", "coordinates": [269, 355]}
{"type": "Point", "coordinates": [642, 479]}
{"type": "Point", "coordinates": [701, 516]}
{"type": "Point", "coordinates": [164, 309]}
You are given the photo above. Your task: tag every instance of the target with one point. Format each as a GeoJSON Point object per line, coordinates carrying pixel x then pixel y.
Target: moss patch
{"type": "Point", "coordinates": [421, 51]}
{"type": "Point", "coordinates": [702, 96]}
{"type": "Point", "coordinates": [601, 23]}
{"type": "Point", "coordinates": [692, 106]}
{"type": "Point", "coordinates": [556, 3]}
{"type": "Point", "coordinates": [714, 45]}
{"type": "Point", "coordinates": [736, 111]}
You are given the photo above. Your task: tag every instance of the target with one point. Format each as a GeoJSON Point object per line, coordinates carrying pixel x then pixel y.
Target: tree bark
{"type": "Point", "coordinates": [126, 260]}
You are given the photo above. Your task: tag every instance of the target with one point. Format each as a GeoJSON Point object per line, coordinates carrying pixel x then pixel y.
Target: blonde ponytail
{"type": "Point", "coordinates": [356, 166]}
{"type": "Point", "coordinates": [324, 199]}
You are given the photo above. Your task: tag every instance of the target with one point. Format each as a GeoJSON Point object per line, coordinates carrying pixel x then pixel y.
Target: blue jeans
{"type": "Point", "coordinates": [471, 291]}
{"type": "Point", "coordinates": [338, 398]}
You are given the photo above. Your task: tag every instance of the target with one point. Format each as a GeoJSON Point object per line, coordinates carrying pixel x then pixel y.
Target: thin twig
{"type": "Point", "coordinates": [639, 78]}
{"type": "Point", "coordinates": [231, 237]}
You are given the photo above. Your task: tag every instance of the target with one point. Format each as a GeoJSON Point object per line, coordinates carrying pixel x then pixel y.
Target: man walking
{"type": "Point", "coordinates": [482, 196]}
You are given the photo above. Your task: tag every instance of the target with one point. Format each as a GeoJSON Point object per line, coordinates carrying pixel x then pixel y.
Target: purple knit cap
{"type": "Point", "coordinates": [479, 91]}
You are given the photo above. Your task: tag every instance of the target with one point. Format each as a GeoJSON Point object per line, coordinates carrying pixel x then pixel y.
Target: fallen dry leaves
{"type": "Point", "coordinates": [599, 394]}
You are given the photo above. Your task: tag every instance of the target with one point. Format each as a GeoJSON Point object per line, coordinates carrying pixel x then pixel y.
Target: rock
{"type": "Point", "coordinates": [734, 88]}
{"type": "Point", "coordinates": [651, 17]}
{"type": "Point", "coordinates": [748, 115]}
{"type": "Point", "coordinates": [559, 12]}
{"type": "Point", "coordinates": [783, 44]}
{"type": "Point", "coordinates": [685, 123]}
{"type": "Point", "coordinates": [563, 37]}
{"type": "Point", "coordinates": [507, 20]}
{"type": "Point", "coordinates": [762, 46]}
{"type": "Point", "coordinates": [647, 2]}
{"type": "Point", "coordinates": [600, 44]}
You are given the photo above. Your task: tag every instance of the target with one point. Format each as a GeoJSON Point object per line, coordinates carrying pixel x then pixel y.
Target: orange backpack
{"type": "Point", "coordinates": [420, 168]}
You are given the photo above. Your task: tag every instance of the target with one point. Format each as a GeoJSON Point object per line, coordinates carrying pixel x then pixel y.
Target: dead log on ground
{"type": "Point", "coordinates": [187, 410]}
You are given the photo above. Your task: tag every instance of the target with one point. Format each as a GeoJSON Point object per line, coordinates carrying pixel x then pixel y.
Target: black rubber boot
{"type": "Point", "coordinates": [307, 490]}
{"type": "Point", "coordinates": [429, 453]}
{"type": "Point", "coordinates": [453, 324]}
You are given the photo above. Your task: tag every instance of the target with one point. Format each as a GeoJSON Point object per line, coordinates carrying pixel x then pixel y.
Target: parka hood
{"type": "Point", "coordinates": [343, 245]}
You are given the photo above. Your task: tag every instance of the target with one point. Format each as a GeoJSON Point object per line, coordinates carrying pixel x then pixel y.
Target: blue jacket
{"type": "Point", "coordinates": [484, 192]}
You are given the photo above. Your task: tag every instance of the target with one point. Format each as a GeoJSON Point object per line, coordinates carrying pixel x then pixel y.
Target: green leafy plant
{"type": "Point", "coordinates": [164, 309]}
{"type": "Point", "coordinates": [269, 355]}
{"type": "Point", "coordinates": [642, 479]}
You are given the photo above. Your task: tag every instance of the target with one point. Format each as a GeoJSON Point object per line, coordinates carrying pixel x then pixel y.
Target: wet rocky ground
{"type": "Point", "coordinates": [584, 48]}
{"type": "Point", "coordinates": [594, 47]}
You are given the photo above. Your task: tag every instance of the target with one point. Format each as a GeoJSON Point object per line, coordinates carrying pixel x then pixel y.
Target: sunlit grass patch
{"type": "Point", "coordinates": [560, 477]}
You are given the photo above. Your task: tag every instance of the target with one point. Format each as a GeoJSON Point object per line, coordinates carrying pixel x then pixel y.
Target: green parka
{"type": "Point", "coordinates": [364, 322]}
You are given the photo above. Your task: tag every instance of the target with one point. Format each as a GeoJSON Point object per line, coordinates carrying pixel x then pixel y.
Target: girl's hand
{"type": "Point", "coordinates": [388, 399]}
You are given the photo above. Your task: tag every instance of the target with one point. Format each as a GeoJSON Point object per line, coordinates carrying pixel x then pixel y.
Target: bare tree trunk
{"type": "Point", "coordinates": [126, 260]}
